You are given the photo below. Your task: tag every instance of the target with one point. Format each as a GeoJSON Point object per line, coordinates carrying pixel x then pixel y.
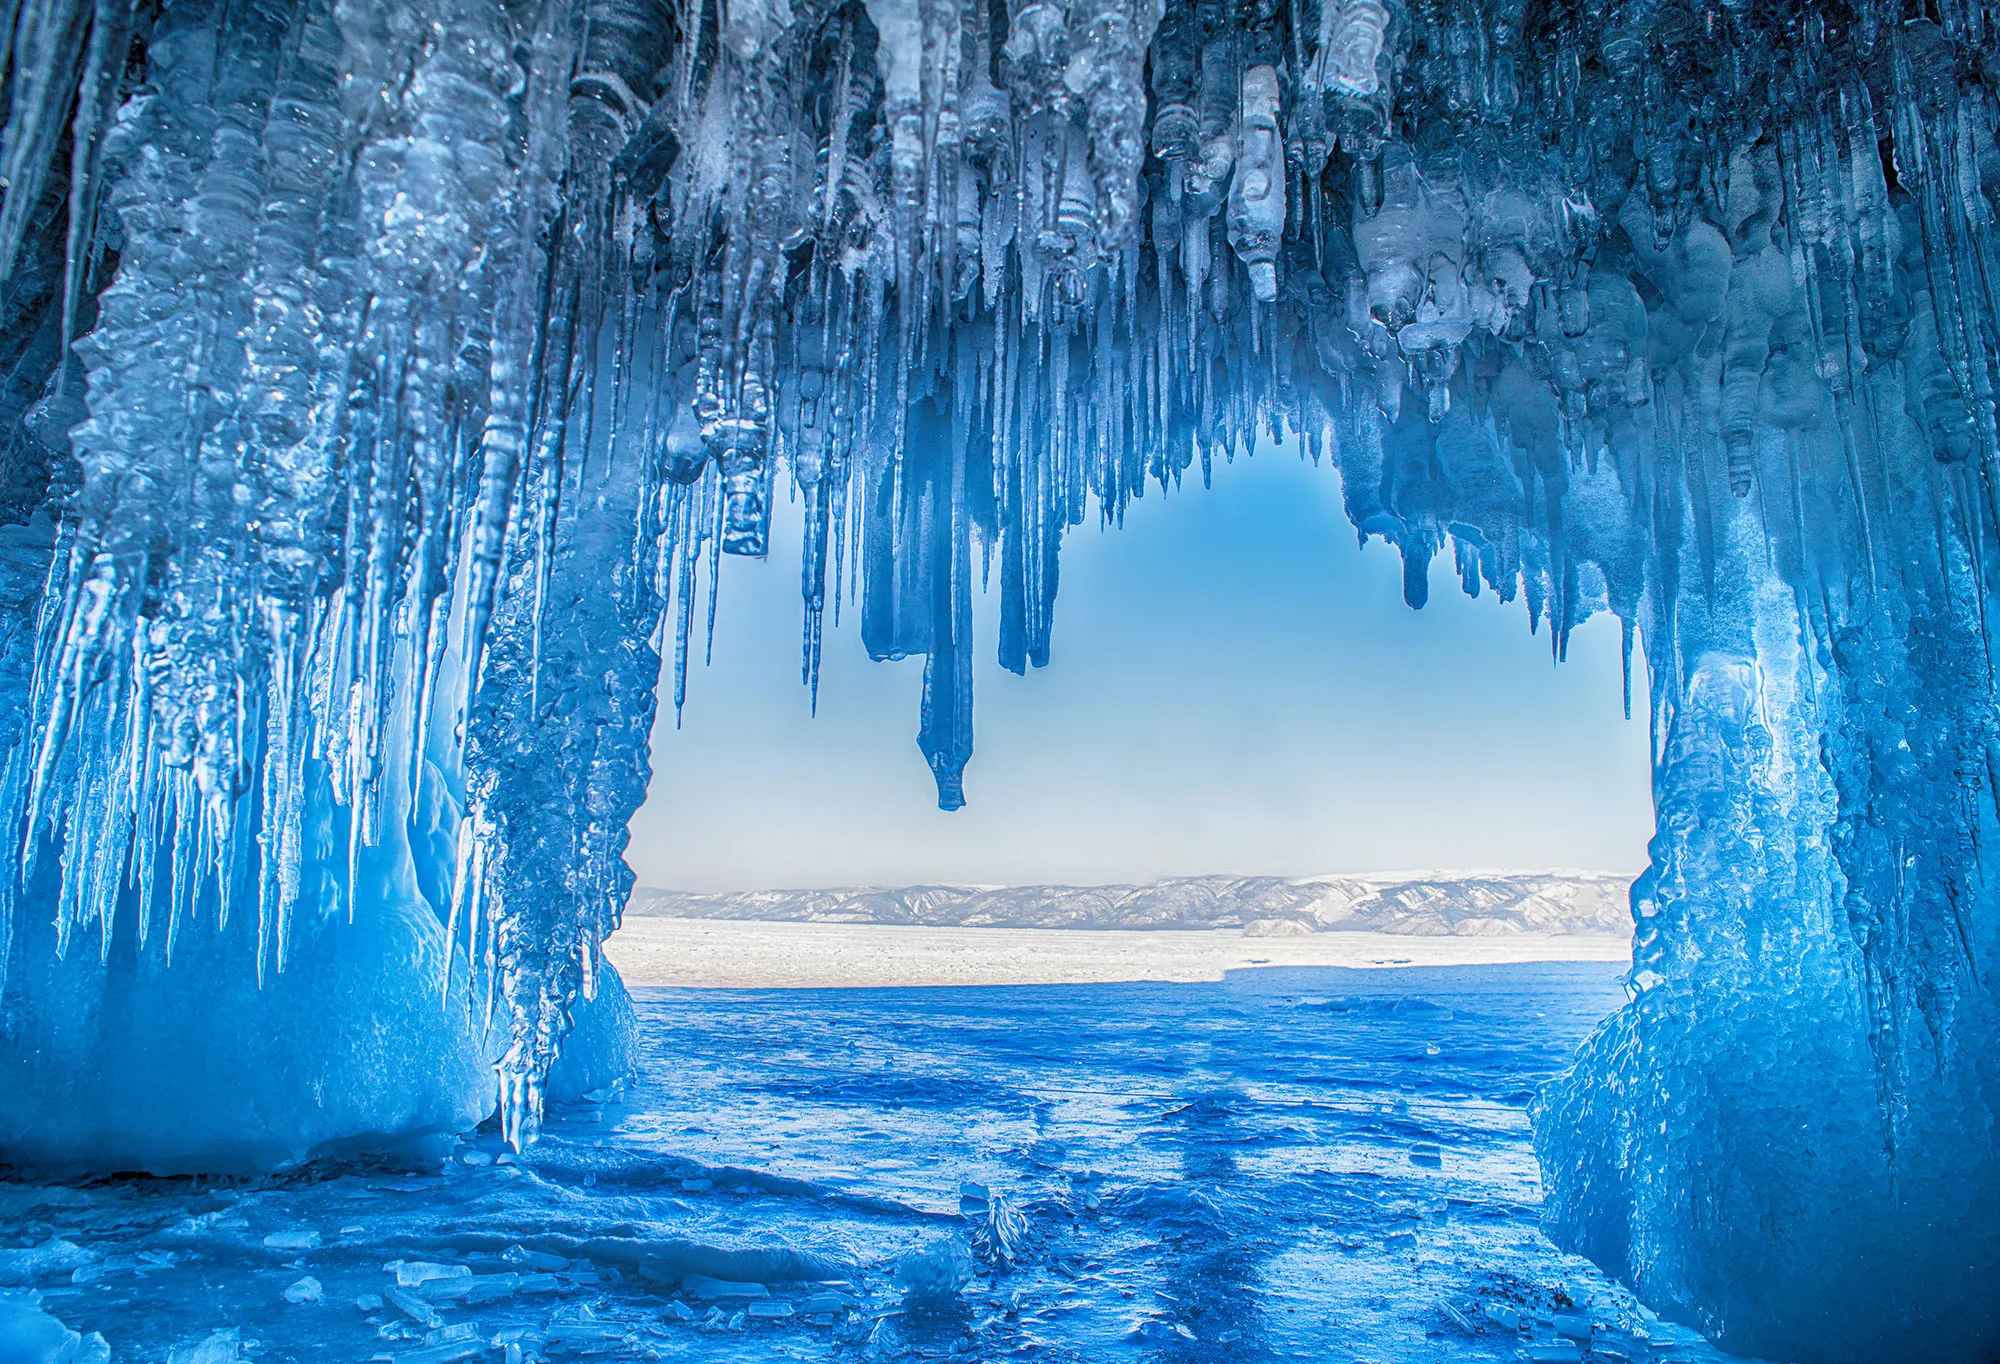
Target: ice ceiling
{"type": "Point", "coordinates": [382, 379]}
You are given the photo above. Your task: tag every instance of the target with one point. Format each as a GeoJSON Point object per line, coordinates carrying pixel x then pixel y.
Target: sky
{"type": "Point", "coordinates": [1234, 687]}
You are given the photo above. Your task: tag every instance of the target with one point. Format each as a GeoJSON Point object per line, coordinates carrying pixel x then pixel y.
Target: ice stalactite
{"type": "Point", "coordinates": [433, 355]}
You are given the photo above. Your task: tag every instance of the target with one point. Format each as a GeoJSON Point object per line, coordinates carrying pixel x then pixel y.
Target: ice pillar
{"type": "Point", "coordinates": [1788, 1137]}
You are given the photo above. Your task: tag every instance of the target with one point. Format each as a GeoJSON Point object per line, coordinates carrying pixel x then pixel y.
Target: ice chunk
{"type": "Point", "coordinates": [51, 1258]}
{"type": "Point", "coordinates": [411, 1273]}
{"type": "Point", "coordinates": [105, 1268]}
{"type": "Point", "coordinates": [1560, 1352]}
{"type": "Point", "coordinates": [584, 1336]}
{"type": "Point", "coordinates": [1571, 1326]}
{"type": "Point", "coordinates": [304, 1290]}
{"type": "Point", "coordinates": [452, 1334]}
{"type": "Point", "coordinates": [935, 1273]}
{"type": "Point", "coordinates": [999, 1228]}
{"type": "Point", "coordinates": [28, 1335]}
{"type": "Point", "coordinates": [599, 1052]}
{"type": "Point", "coordinates": [446, 1290]}
{"type": "Point", "coordinates": [224, 1346]}
{"type": "Point", "coordinates": [413, 1307]}
{"type": "Point", "coordinates": [702, 1288]}
{"type": "Point", "coordinates": [490, 1287]}
{"type": "Point", "coordinates": [534, 1259]}
{"type": "Point", "coordinates": [298, 1239]}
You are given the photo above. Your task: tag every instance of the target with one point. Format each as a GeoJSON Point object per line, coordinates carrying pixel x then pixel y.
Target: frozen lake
{"type": "Point", "coordinates": [748, 954]}
{"type": "Point", "coordinates": [1293, 1163]}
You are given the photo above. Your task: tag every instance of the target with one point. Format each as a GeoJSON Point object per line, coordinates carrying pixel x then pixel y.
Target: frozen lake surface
{"type": "Point", "coordinates": [759, 955]}
{"type": "Point", "coordinates": [1294, 1163]}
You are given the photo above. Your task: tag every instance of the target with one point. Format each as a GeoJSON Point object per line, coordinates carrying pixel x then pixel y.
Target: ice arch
{"type": "Point", "coordinates": [423, 350]}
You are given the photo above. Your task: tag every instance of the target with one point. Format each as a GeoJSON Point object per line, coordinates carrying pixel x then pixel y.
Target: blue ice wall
{"type": "Point", "coordinates": [126, 1060]}
{"type": "Point", "coordinates": [1787, 1137]}
{"type": "Point", "coordinates": [383, 381]}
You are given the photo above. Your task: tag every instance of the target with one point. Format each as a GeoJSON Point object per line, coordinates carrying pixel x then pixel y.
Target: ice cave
{"type": "Point", "coordinates": [382, 379]}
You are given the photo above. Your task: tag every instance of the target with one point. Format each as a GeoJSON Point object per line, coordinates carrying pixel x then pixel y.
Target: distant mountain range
{"type": "Point", "coordinates": [1428, 904]}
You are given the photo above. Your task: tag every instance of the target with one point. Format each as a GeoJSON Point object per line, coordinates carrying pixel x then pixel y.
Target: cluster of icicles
{"type": "Point", "coordinates": [431, 349]}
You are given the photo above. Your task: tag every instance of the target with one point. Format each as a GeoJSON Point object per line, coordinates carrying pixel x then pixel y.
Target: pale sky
{"type": "Point", "coordinates": [1234, 687]}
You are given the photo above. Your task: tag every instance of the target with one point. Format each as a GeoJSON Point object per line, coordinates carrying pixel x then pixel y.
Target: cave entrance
{"type": "Point", "coordinates": [1234, 688]}
{"type": "Point", "coordinates": [1101, 1077]}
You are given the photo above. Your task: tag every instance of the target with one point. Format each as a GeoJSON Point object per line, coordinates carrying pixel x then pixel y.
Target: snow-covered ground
{"type": "Point", "coordinates": [1293, 1163]}
{"type": "Point", "coordinates": [750, 956]}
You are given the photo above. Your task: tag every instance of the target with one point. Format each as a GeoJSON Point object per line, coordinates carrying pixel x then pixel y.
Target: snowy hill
{"type": "Point", "coordinates": [1428, 904]}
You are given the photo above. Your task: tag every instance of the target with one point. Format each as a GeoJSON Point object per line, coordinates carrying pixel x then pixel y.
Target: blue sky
{"type": "Point", "coordinates": [1234, 687]}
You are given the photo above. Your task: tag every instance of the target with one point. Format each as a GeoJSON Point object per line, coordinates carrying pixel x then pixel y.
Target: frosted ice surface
{"type": "Point", "coordinates": [427, 357]}
{"type": "Point", "coordinates": [1040, 1174]}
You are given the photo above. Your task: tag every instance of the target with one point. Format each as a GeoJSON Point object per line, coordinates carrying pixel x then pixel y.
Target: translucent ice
{"type": "Point", "coordinates": [383, 383]}
{"type": "Point", "coordinates": [110, 1067]}
{"type": "Point", "coordinates": [29, 1335]}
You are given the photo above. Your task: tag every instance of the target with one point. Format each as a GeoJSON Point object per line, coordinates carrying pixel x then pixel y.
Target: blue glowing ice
{"type": "Point", "coordinates": [383, 381]}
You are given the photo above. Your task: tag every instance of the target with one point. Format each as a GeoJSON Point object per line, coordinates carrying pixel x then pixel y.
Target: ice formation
{"type": "Point", "coordinates": [383, 379]}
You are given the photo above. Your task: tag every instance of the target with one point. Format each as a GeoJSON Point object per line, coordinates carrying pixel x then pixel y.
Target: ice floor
{"type": "Point", "coordinates": [1295, 1164]}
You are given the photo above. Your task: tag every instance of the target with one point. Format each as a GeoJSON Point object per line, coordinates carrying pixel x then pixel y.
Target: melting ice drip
{"type": "Point", "coordinates": [430, 353]}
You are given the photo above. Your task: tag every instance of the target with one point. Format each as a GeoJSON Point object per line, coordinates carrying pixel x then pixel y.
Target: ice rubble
{"type": "Point", "coordinates": [428, 355]}
{"type": "Point", "coordinates": [31, 1336]}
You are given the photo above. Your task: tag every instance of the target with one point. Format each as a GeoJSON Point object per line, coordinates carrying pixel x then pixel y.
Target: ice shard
{"type": "Point", "coordinates": [383, 381]}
